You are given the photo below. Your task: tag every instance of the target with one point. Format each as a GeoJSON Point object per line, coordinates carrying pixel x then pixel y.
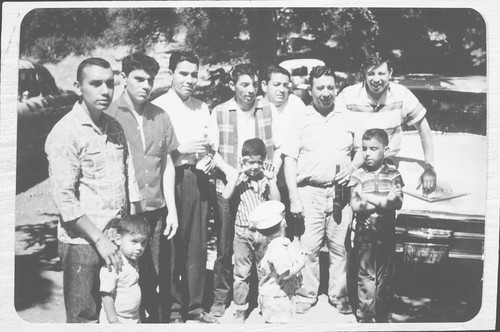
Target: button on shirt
{"type": "Point", "coordinates": [320, 143]}
{"type": "Point", "coordinates": [397, 105]}
{"type": "Point", "coordinates": [148, 153]}
{"type": "Point", "coordinates": [89, 168]}
{"type": "Point", "coordinates": [191, 120]}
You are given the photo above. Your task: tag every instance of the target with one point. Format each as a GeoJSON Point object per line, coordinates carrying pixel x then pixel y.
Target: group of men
{"type": "Point", "coordinates": [160, 158]}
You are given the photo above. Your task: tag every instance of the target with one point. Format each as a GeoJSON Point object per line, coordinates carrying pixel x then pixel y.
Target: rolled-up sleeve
{"type": "Point", "coordinates": [64, 172]}
{"type": "Point", "coordinates": [290, 146]}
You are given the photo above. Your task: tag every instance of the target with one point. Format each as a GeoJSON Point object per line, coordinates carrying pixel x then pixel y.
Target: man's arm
{"type": "Point", "coordinates": [108, 304]}
{"type": "Point", "coordinates": [428, 177]}
{"type": "Point", "coordinates": [169, 194]}
{"type": "Point", "coordinates": [290, 172]}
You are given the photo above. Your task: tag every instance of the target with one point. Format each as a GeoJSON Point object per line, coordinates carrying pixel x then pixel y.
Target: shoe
{"type": "Point", "coordinates": [205, 317]}
{"type": "Point", "coordinates": [343, 307]}
{"type": "Point", "coordinates": [218, 309]}
{"type": "Point", "coordinates": [366, 320]}
{"type": "Point", "coordinates": [240, 316]}
{"type": "Point", "coordinates": [176, 321]}
{"type": "Point", "coordinates": [302, 307]}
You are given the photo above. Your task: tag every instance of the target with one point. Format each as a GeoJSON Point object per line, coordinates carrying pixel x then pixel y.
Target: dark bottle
{"type": "Point", "coordinates": [339, 200]}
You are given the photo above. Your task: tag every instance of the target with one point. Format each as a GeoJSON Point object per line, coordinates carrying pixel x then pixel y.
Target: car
{"type": "Point", "coordinates": [299, 70]}
{"type": "Point", "coordinates": [40, 105]}
{"type": "Point", "coordinates": [445, 231]}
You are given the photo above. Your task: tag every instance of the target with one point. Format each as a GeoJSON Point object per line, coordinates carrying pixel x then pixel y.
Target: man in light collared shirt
{"type": "Point", "coordinates": [151, 138]}
{"type": "Point", "coordinates": [89, 169]}
{"type": "Point", "coordinates": [319, 140]}
{"type": "Point", "coordinates": [285, 108]}
{"type": "Point", "coordinates": [196, 131]}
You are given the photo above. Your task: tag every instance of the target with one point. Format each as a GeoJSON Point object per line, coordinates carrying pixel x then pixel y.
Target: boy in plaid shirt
{"type": "Point", "coordinates": [376, 193]}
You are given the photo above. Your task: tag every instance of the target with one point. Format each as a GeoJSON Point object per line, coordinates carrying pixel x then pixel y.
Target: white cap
{"type": "Point", "coordinates": [267, 214]}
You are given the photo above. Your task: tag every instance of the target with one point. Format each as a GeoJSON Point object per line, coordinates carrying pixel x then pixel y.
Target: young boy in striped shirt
{"type": "Point", "coordinates": [256, 184]}
{"type": "Point", "coordinates": [376, 193]}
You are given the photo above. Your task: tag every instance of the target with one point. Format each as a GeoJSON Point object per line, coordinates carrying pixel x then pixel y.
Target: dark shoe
{"type": "Point", "coordinates": [240, 316]}
{"type": "Point", "coordinates": [366, 320]}
{"type": "Point", "coordinates": [343, 307]}
{"type": "Point", "coordinates": [302, 307]}
{"type": "Point", "coordinates": [218, 309]}
{"type": "Point", "coordinates": [205, 317]}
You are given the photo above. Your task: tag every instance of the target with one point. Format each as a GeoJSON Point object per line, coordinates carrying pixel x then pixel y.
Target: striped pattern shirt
{"type": "Point", "coordinates": [397, 106]}
{"type": "Point", "coordinates": [251, 194]}
{"type": "Point", "coordinates": [378, 182]}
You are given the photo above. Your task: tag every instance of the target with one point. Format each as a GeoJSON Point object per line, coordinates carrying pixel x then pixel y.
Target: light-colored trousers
{"type": "Point", "coordinates": [319, 227]}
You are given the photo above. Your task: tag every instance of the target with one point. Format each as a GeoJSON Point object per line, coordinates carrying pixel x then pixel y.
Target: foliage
{"type": "Point", "coordinates": [439, 40]}
{"type": "Point", "coordinates": [51, 34]}
{"type": "Point", "coordinates": [139, 27]}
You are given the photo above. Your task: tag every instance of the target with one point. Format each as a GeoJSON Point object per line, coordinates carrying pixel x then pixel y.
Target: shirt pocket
{"type": "Point", "coordinates": [93, 163]}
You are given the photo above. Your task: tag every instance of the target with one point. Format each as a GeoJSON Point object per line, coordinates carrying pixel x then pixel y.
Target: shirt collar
{"type": "Point", "coordinates": [258, 105]}
{"type": "Point", "coordinates": [83, 116]}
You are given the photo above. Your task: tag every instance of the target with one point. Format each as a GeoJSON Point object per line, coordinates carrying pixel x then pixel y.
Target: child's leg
{"type": "Point", "coordinates": [366, 272]}
{"type": "Point", "coordinates": [385, 258]}
{"type": "Point", "coordinates": [243, 259]}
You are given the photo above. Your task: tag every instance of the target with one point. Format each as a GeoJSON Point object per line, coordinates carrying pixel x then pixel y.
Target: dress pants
{"type": "Point", "coordinates": [190, 242]}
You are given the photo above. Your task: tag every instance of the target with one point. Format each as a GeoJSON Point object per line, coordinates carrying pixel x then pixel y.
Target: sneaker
{"type": "Point", "coordinates": [302, 307]}
{"type": "Point", "coordinates": [240, 316]}
{"type": "Point", "coordinates": [205, 317]}
{"type": "Point", "coordinates": [218, 309]}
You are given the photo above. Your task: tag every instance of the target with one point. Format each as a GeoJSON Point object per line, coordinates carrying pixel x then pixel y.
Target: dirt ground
{"type": "Point", "coordinates": [423, 295]}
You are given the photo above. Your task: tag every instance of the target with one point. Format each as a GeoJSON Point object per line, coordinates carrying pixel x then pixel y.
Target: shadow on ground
{"type": "Point", "coordinates": [36, 252]}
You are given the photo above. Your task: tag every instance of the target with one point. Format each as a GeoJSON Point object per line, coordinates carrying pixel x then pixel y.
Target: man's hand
{"type": "Point", "coordinates": [109, 252]}
{"type": "Point", "coordinates": [427, 180]}
{"type": "Point", "coordinates": [344, 175]}
{"type": "Point", "coordinates": [194, 146]}
{"type": "Point", "coordinates": [172, 225]}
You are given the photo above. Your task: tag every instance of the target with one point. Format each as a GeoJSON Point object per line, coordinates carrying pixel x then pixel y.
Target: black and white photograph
{"type": "Point", "coordinates": [250, 165]}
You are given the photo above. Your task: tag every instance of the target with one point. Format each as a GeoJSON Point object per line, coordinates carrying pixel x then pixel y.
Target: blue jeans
{"type": "Point", "coordinates": [374, 247]}
{"type": "Point", "coordinates": [249, 247]}
{"type": "Point", "coordinates": [81, 265]}
{"type": "Point", "coordinates": [223, 268]}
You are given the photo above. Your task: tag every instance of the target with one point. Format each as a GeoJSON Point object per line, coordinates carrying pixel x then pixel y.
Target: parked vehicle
{"type": "Point", "coordinates": [299, 70]}
{"type": "Point", "coordinates": [40, 105]}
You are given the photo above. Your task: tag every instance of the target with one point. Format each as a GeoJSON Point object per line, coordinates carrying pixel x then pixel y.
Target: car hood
{"type": "Point", "coordinates": [461, 168]}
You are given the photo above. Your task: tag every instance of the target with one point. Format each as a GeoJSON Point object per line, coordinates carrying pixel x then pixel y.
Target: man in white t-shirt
{"type": "Point", "coordinates": [196, 131]}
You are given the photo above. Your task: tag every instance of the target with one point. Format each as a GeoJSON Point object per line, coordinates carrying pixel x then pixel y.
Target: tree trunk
{"type": "Point", "coordinates": [261, 22]}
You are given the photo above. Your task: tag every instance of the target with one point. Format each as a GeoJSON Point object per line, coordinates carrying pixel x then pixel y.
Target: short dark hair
{"type": "Point", "coordinates": [243, 69]}
{"type": "Point", "coordinates": [90, 62]}
{"type": "Point", "coordinates": [378, 134]}
{"type": "Point", "coordinates": [138, 61]}
{"type": "Point", "coordinates": [178, 56]}
{"type": "Point", "coordinates": [319, 71]}
{"type": "Point", "coordinates": [133, 225]}
{"type": "Point", "coordinates": [375, 59]}
{"type": "Point", "coordinates": [254, 147]}
{"type": "Point", "coordinates": [273, 69]}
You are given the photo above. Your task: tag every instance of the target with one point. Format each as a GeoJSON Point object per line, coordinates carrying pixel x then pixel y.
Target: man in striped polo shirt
{"type": "Point", "coordinates": [378, 103]}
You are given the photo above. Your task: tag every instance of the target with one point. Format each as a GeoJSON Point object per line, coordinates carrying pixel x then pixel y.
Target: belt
{"type": "Point", "coordinates": [304, 183]}
{"type": "Point", "coordinates": [191, 167]}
